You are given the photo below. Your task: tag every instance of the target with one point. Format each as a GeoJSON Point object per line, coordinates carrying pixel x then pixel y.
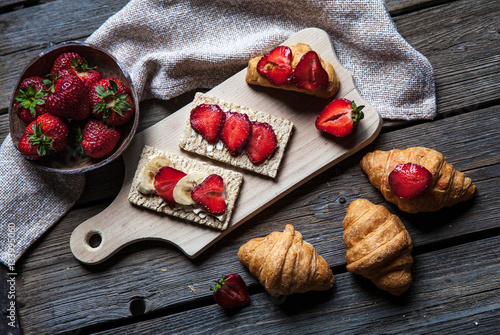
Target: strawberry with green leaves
{"type": "Point", "coordinates": [339, 117]}
{"type": "Point", "coordinates": [230, 291]}
{"type": "Point", "coordinates": [46, 135]}
{"type": "Point", "coordinates": [78, 66]}
{"type": "Point", "coordinates": [111, 101]}
{"type": "Point", "coordinates": [30, 100]}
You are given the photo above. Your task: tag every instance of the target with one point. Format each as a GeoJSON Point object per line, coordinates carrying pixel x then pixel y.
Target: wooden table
{"type": "Point", "coordinates": [152, 288]}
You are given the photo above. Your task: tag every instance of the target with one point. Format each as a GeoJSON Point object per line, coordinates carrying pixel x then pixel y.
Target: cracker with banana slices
{"type": "Point", "coordinates": [142, 192]}
{"type": "Point", "coordinates": [193, 142]}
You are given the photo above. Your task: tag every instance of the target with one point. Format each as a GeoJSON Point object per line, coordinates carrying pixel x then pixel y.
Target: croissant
{"type": "Point", "coordinates": [284, 264]}
{"type": "Point", "coordinates": [298, 50]}
{"type": "Point", "coordinates": [378, 246]}
{"type": "Point", "coordinates": [447, 188]}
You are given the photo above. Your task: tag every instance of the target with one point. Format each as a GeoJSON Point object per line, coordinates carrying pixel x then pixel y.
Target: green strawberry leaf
{"type": "Point", "coordinates": [114, 86]}
{"type": "Point", "coordinates": [101, 92]}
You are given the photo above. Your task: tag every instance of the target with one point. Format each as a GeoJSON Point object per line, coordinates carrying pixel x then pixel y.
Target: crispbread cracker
{"type": "Point", "coordinates": [232, 184]}
{"type": "Point", "coordinates": [193, 142]}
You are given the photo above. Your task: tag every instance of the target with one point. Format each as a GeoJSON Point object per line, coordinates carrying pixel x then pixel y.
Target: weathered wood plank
{"type": "Point", "coordinates": [449, 294]}
{"type": "Point", "coordinates": [316, 209]}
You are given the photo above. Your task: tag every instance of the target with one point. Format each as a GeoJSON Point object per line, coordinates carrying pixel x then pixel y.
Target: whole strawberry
{"type": "Point", "coordinates": [67, 97]}
{"type": "Point", "coordinates": [30, 100]}
{"type": "Point", "coordinates": [78, 66]}
{"type": "Point", "coordinates": [46, 135]}
{"type": "Point", "coordinates": [339, 117]}
{"type": "Point", "coordinates": [111, 101]}
{"type": "Point", "coordinates": [98, 140]}
{"type": "Point", "coordinates": [230, 291]}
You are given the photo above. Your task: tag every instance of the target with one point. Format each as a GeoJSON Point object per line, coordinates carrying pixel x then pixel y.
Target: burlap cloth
{"type": "Point", "coordinates": [170, 47]}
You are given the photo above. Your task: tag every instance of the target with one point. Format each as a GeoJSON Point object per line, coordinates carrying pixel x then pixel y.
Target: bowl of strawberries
{"type": "Point", "coordinates": [74, 109]}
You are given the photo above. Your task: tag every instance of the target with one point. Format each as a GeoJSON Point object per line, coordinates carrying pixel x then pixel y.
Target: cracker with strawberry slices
{"type": "Point", "coordinates": [231, 180]}
{"type": "Point", "coordinates": [242, 153]}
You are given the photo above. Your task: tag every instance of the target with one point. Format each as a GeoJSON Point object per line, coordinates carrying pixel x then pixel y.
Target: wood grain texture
{"type": "Point", "coordinates": [316, 209]}
{"type": "Point", "coordinates": [449, 295]}
{"type": "Point", "coordinates": [122, 223]}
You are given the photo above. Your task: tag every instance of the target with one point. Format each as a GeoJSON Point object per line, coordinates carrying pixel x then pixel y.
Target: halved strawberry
{"type": "Point", "coordinates": [276, 66]}
{"type": "Point", "coordinates": [409, 180]}
{"type": "Point", "coordinates": [207, 120]}
{"type": "Point", "coordinates": [210, 195]}
{"type": "Point", "coordinates": [235, 132]}
{"type": "Point", "coordinates": [262, 142]}
{"type": "Point", "coordinates": [165, 181]}
{"type": "Point", "coordinates": [309, 74]}
{"type": "Point", "coordinates": [339, 117]}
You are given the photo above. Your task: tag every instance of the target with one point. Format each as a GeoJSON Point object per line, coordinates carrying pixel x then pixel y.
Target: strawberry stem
{"type": "Point", "coordinates": [42, 141]}
{"type": "Point", "coordinates": [218, 284]}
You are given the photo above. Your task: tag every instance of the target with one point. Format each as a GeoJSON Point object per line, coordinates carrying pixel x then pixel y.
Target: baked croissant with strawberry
{"type": "Point", "coordinates": [294, 68]}
{"type": "Point", "coordinates": [284, 264]}
{"type": "Point", "coordinates": [417, 179]}
{"type": "Point", "coordinates": [378, 246]}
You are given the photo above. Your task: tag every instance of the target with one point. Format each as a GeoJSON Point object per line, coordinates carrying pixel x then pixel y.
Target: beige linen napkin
{"type": "Point", "coordinates": [170, 47]}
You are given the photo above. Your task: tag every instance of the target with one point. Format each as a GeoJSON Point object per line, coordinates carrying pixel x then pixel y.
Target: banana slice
{"type": "Point", "coordinates": [147, 175]}
{"type": "Point", "coordinates": [182, 190]}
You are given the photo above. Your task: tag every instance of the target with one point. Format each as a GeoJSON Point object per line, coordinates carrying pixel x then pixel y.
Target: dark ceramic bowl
{"type": "Point", "coordinates": [109, 67]}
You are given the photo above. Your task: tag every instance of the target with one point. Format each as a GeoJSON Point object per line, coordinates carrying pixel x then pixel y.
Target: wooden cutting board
{"type": "Point", "coordinates": [309, 153]}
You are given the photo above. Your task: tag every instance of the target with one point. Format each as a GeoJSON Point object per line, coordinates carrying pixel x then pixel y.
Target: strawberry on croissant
{"type": "Point", "coordinates": [284, 264]}
{"type": "Point", "coordinates": [402, 178]}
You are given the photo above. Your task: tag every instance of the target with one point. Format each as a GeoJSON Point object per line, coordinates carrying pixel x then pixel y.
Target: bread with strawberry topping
{"type": "Point", "coordinates": [185, 188]}
{"type": "Point", "coordinates": [294, 68]}
{"type": "Point", "coordinates": [417, 179]}
{"type": "Point", "coordinates": [255, 142]}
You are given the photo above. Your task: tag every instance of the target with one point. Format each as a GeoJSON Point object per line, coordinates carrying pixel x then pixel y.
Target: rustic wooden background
{"type": "Point", "coordinates": [151, 288]}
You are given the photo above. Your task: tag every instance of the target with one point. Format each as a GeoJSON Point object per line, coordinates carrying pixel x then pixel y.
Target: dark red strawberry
{"type": "Point", "coordinates": [409, 180]}
{"type": "Point", "coordinates": [66, 61]}
{"type": "Point", "coordinates": [46, 135]}
{"type": "Point", "coordinates": [309, 74]}
{"type": "Point", "coordinates": [339, 117]}
{"type": "Point", "coordinates": [207, 120]}
{"type": "Point", "coordinates": [230, 291]}
{"type": "Point", "coordinates": [262, 142]}
{"type": "Point", "coordinates": [67, 97]}
{"type": "Point", "coordinates": [76, 65]}
{"type": "Point", "coordinates": [276, 66]}
{"type": "Point", "coordinates": [209, 194]}
{"type": "Point", "coordinates": [111, 101]}
{"type": "Point", "coordinates": [165, 181]}
{"type": "Point", "coordinates": [98, 140]}
{"type": "Point", "coordinates": [236, 132]}
{"type": "Point", "coordinates": [30, 100]}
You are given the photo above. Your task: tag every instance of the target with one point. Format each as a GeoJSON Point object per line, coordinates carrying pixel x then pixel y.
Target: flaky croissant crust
{"type": "Point", "coordinates": [298, 50]}
{"type": "Point", "coordinates": [448, 187]}
{"type": "Point", "coordinates": [285, 264]}
{"type": "Point", "coordinates": [378, 246]}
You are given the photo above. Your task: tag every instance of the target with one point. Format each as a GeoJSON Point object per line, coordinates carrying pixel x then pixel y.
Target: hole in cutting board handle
{"type": "Point", "coordinates": [94, 239]}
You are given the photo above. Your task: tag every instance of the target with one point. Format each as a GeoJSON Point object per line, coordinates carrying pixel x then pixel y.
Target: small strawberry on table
{"type": "Point", "coordinates": [339, 117]}
{"type": "Point", "coordinates": [230, 291]}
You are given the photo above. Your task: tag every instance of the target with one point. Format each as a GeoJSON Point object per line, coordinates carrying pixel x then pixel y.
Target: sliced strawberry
{"type": "Point", "coordinates": [276, 66]}
{"type": "Point", "coordinates": [209, 194]}
{"type": "Point", "coordinates": [207, 120]}
{"type": "Point", "coordinates": [339, 117]}
{"type": "Point", "coordinates": [235, 132]}
{"type": "Point", "coordinates": [230, 291]}
{"type": "Point", "coordinates": [409, 180]}
{"type": "Point", "coordinates": [262, 142]}
{"type": "Point", "coordinates": [165, 181]}
{"type": "Point", "coordinates": [309, 74]}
